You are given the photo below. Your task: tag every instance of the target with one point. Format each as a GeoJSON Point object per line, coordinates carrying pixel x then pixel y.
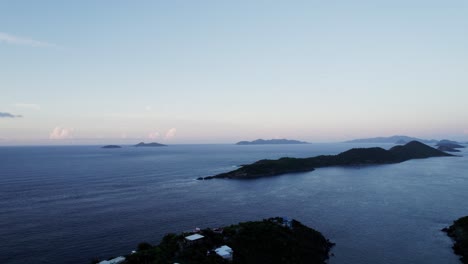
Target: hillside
{"type": "Point", "coordinates": [274, 241]}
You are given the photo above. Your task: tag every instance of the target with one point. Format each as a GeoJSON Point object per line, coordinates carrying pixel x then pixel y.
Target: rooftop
{"type": "Point", "coordinates": [194, 237]}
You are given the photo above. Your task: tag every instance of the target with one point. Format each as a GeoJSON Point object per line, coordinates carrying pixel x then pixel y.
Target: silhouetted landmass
{"type": "Point", "coordinates": [393, 139]}
{"type": "Point", "coordinates": [356, 156]}
{"type": "Point", "coordinates": [273, 241]}
{"type": "Point", "coordinates": [458, 231]}
{"type": "Point", "coordinates": [447, 149]}
{"type": "Point", "coordinates": [111, 146]}
{"type": "Point", "coordinates": [271, 142]}
{"type": "Point", "coordinates": [153, 144]}
{"type": "Point", "coordinates": [449, 144]}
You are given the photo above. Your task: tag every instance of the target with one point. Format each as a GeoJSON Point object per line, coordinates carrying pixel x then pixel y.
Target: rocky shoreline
{"type": "Point", "coordinates": [458, 231]}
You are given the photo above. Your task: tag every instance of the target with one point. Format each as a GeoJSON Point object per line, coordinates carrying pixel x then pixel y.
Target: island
{"type": "Point", "coordinates": [152, 144]}
{"type": "Point", "coordinates": [445, 143]}
{"type": "Point", "coordinates": [397, 139]}
{"type": "Point", "coordinates": [447, 149]}
{"type": "Point", "coordinates": [271, 142]}
{"type": "Point", "coordinates": [111, 146]}
{"type": "Point", "coordinates": [274, 241]}
{"type": "Point", "coordinates": [458, 231]}
{"type": "Point", "coordinates": [352, 157]}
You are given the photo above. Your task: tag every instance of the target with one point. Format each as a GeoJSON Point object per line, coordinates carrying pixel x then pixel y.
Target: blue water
{"type": "Point", "coordinates": [70, 204]}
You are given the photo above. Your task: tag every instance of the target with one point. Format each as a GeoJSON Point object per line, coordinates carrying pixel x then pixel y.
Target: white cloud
{"type": "Point", "coordinates": [148, 108]}
{"type": "Point", "coordinates": [171, 133]}
{"type": "Point", "coordinates": [153, 135]}
{"type": "Point", "coordinates": [15, 40]}
{"type": "Point", "coordinates": [27, 106]}
{"type": "Point", "coordinates": [61, 133]}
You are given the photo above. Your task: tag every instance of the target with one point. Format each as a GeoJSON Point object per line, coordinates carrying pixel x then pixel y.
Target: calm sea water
{"type": "Point", "coordinates": [70, 204]}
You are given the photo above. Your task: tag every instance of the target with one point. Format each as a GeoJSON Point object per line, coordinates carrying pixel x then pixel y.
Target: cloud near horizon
{"type": "Point", "coordinates": [9, 115]}
{"type": "Point", "coordinates": [16, 40]}
{"type": "Point", "coordinates": [61, 133]}
{"type": "Point", "coordinates": [153, 135]}
{"type": "Point", "coordinates": [171, 133]}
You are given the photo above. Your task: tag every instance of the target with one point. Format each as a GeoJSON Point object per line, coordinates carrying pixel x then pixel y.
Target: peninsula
{"type": "Point", "coordinates": [152, 144]}
{"type": "Point", "coordinates": [458, 231]}
{"type": "Point", "coordinates": [271, 142]}
{"type": "Point", "coordinates": [274, 241]}
{"type": "Point", "coordinates": [352, 157]}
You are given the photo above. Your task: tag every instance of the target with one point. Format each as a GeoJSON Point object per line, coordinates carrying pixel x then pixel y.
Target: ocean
{"type": "Point", "coordinates": [70, 204]}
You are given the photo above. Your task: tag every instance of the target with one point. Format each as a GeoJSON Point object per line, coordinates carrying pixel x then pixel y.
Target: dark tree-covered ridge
{"type": "Point", "coordinates": [352, 157]}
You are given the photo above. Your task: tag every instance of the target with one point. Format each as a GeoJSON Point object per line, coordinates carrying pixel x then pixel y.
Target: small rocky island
{"type": "Point", "coordinates": [273, 241]}
{"type": "Point", "coordinates": [111, 146]}
{"type": "Point", "coordinates": [458, 231]}
{"type": "Point", "coordinates": [152, 144]}
{"type": "Point", "coordinates": [352, 157]}
{"type": "Point", "coordinates": [271, 142]}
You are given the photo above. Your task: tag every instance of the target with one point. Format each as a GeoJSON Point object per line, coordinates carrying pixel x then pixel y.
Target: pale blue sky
{"type": "Point", "coordinates": [223, 71]}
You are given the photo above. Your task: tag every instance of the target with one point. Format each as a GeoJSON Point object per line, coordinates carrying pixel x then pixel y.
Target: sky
{"type": "Point", "coordinates": [178, 72]}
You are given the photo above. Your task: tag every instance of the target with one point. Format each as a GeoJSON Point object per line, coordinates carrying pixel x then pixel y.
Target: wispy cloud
{"type": "Point", "coordinates": [27, 106]}
{"type": "Point", "coordinates": [16, 40]}
{"type": "Point", "coordinates": [9, 115]}
{"type": "Point", "coordinates": [61, 133]}
{"type": "Point", "coordinates": [153, 135]}
{"type": "Point", "coordinates": [171, 133]}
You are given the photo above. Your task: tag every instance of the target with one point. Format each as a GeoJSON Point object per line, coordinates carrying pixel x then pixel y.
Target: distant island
{"type": "Point", "coordinates": [271, 142]}
{"type": "Point", "coordinates": [447, 149]}
{"type": "Point", "coordinates": [397, 139]}
{"type": "Point", "coordinates": [352, 157]}
{"type": "Point", "coordinates": [111, 146]}
{"type": "Point", "coordinates": [458, 231]}
{"type": "Point", "coordinates": [152, 144]}
{"type": "Point", "coordinates": [449, 144]}
{"type": "Point", "coordinates": [273, 241]}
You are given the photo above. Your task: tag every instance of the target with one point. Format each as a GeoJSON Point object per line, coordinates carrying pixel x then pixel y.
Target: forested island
{"type": "Point", "coordinates": [274, 241]}
{"type": "Point", "coordinates": [458, 231]}
{"type": "Point", "coordinates": [152, 144]}
{"type": "Point", "coordinates": [397, 139]}
{"type": "Point", "coordinates": [271, 142]}
{"type": "Point", "coordinates": [111, 146]}
{"type": "Point", "coordinates": [352, 157]}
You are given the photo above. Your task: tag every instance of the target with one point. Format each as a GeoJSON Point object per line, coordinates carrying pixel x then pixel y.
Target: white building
{"type": "Point", "coordinates": [225, 252]}
{"type": "Point", "coordinates": [116, 260]}
{"type": "Point", "coordinates": [193, 238]}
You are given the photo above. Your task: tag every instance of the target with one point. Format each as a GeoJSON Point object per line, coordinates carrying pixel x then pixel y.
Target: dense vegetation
{"type": "Point", "coordinates": [271, 241]}
{"type": "Point", "coordinates": [357, 156]}
{"type": "Point", "coordinates": [459, 232]}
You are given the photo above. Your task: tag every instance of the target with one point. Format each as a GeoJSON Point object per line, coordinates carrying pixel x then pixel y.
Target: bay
{"type": "Point", "coordinates": [70, 204]}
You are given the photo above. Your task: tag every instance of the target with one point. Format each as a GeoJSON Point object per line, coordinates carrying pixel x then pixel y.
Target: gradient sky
{"type": "Point", "coordinates": [223, 71]}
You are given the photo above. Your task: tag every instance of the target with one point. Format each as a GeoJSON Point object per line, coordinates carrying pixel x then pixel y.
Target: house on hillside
{"type": "Point", "coordinates": [225, 252]}
{"type": "Point", "coordinates": [193, 239]}
{"type": "Point", "coordinates": [116, 260]}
